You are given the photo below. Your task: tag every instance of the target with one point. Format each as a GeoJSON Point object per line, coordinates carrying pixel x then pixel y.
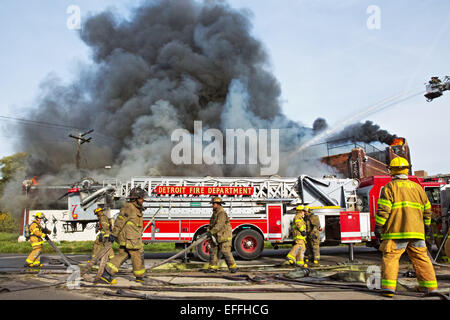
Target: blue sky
{"type": "Point", "coordinates": [329, 64]}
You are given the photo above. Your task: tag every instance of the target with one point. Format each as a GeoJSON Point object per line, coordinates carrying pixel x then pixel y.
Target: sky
{"type": "Point", "coordinates": [329, 59]}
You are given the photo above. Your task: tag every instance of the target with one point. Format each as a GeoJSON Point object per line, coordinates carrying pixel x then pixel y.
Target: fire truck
{"type": "Point", "coordinates": [178, 209]}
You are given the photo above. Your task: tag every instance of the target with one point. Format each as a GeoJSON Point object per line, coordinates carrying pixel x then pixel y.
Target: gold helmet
{"type": "Point", "coordinates": [217, 200]}
{"type": "Point", "coordinates": [98, 210]}
{"type": "Point", "coordinates": [399, 165]}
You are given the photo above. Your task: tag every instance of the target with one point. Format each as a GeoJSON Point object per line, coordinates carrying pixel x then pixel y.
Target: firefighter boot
{"type": "Point", "coordinates": [387, 293]}
{"type": "Point", "coordinates": [107, 278]}
{"type": "Point", "coordinates": [141, 279]}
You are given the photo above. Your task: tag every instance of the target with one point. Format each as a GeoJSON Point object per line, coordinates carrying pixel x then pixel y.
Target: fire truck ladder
{"type": "Point", "coordinates": [264, 189]}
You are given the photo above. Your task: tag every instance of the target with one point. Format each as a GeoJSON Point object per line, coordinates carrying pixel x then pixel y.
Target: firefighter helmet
{"type": "Point", "coordinates": [137, 193]}
{"type": "Point", "coordinates": [39, 215]}
{"type": "Point", "coordinates": [98, 210]}
{"type": "Point", "coordinates": [217, 200]}
{"type": "Point", "coordinates": [300, 208]}
{"type": "Point", "coordinates": [399, 165]}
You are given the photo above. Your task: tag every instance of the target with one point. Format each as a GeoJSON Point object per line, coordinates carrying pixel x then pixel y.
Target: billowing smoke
{"type": "Point", "coordinates": [365, 132]}
{"type": "Point", "coordinates": [174, 62]}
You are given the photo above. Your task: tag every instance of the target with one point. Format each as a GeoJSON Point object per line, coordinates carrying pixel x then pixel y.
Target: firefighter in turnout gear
{"type": "Point", "coordinates": [220, 234]}
{"type": "Point", "coordinates": [37, 235]}
{"type": "Point", "coordinates": [403, 219]}
{"type": "Point", "coordinates": [127, 232]}
{"type": "Point", "coordinates": [296, 255]}
{"type": "Point", "coordinates": [312, 236]}
{"type": "Point", "coordinates": [104, 227]}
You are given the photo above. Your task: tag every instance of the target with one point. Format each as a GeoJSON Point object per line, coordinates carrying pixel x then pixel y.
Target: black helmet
{"type": "Point", "coordinates": [137, 193]}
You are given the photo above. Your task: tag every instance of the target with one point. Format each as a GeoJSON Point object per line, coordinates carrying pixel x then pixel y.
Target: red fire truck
{"type": "Point", "coordinates": [260, 209]}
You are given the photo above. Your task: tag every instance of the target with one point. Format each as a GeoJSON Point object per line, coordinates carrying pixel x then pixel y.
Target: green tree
{"type": "Point", "coordinates": [10, 166]}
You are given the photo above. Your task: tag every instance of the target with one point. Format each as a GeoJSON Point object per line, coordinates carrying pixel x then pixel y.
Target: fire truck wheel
{"type": "Point", "coordinates": [248, 244]}
{"type": "Point", "coordinates": [203, 250]}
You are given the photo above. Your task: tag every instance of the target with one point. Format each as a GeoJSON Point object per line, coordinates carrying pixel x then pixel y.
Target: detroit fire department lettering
{"type": "Point", "coordinates": [245, 191]}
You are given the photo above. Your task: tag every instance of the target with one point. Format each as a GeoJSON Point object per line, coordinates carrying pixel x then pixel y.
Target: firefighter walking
{"type": "Point", "coordinates": [104, 227]}
{"type": "Point", "coordinates": [402, 220]}
{"type": "Point", "coordinates": [37, 235]}
{"type": "Point", "coordinates": [296, 255]}
{"type": "Point", "coordinates": [127, 231]}
{"type": "Point", "coordinates": [220, 233]}
{"type": "Point", "coordinates": [312, 236]}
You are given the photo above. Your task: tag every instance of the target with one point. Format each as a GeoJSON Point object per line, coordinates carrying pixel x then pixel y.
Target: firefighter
{"type": "Point", "coordinates": [127, 231]}
{"type": "Point", "coordinates": [403, 219]}
{"type": "Point", "coordinates": [37, 235]}
{"type": "Point", "coordinates": [220, 233]}
{"type": "Point", "coordinates": [296, 255]}
{"type": "Point", "coordinates": [312, 236]}
{"type": "Point", "coordinates": [105, 230]}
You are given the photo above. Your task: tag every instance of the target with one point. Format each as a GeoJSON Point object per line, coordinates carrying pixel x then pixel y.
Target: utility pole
{"type": "Point", "coordinates": [80, 141]}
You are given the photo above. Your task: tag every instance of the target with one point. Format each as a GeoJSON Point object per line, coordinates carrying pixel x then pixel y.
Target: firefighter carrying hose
{"type": "Point", "coordinates": [312, 236]}
{"type": "Point", "coordinates": [127, 232]}
{"type": "Point", "coordinates": [402, 220]}
{"type": "Point", "coordinates": [37, 235]}
{"type": "Point", "coordinates": [220, 233]}
{"type": "Point", "coordinates": [105, 230]}
{"type": "Point", "coordinates": [296, 255]}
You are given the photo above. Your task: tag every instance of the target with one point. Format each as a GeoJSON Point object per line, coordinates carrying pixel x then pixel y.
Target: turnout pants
{"type": "Point", "coordinates": [417, 252]}
{"type": "Point", "coordinates": [34, 258]}
{"type": "Point", "coordinates": [225, 248]}
{"type": "Point", "coordinates": [297, 252]}
{"type": "Point", "coordinates": [313, 246]}
{"type": "Point", "coordinates": [137, 260]}
{"type": "Point", "coordinates": [98, 246]}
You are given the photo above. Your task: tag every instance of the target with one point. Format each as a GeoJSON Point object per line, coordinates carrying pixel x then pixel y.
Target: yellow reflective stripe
{"type": "Point", "coordinates": [385, 202]}
{"type": "Point", "coordinates": [214, 267]}
{"type": "Point", "coordinates": [427, 205]}
{"type": "Point", "coordinates": [427, 221]}
{"type": "Point", "coordinates": [403, 235]}
{"type": "Point", "coordinates": [298, 220]}
{"type": "Point", "coordinates": [407, 204]}
{"type": "Point", "coordinates": [291, 257]}
{"type": "Point", "coordinates": [34, 231]}
{"type": "Point", "coordinates": [380, 220]}
{"type": "Point", "coordinates": [234, 265]}
{"type": "Point", "coordinates": [113, 267]}
{"type": "Point", "coordinates": [29, 261]}
{"type": "Point", "coordinates": [391, 283]}
{"type": "Point", "coordinates": [300, 262]}
{"type": "Point", "coordinates": [139, 272]}
{"type": "Point", "coordinates": [428, 284]}
{"type": "Point", "coordinates": [299, 237]}
{"type": "Point", "coordinates": [37, 243]}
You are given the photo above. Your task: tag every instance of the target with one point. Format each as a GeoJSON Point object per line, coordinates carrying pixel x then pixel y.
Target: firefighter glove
{"type": "Point", "coordinates": [111, 238]}
{"type": "Point", "coordinates": [377, 232]}
{"type": "Point", "coordinates": [303, 233]}
{"type": "Point", "coordinates": [100, 237]}
{"type": "Point", "coordinates": [208, 234]}
{"type": "Point", "coordinates": [214, 240]}
{"type": "Point", "coordinates": [46, 231]}
{"type": "Point", "coordinates": [428, 230]}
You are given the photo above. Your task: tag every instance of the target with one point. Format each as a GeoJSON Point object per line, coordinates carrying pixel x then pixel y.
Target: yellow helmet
{"type": "Point", "coordinates": [39, 215]}
{"type": "Point", "coordinates": [399, 165]}
{"type": "Point", "coordinates": [300, 208]}
{"type": "Point", "coordinates": [98, 210]}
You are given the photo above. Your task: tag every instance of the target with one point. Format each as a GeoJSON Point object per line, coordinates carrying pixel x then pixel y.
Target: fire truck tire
{"type": "Point", "coordinates": [248, 244]}
{"type": "Point", "coordinates": [203, 251]}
